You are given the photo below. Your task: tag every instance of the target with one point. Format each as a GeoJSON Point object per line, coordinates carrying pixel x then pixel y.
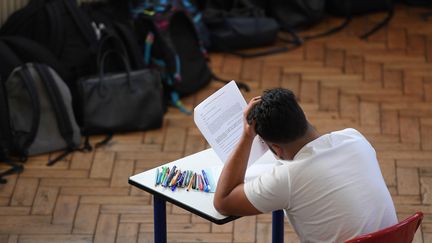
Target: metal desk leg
{"type": "Point", "coordinates": [278, 227]}
{"type": "Point", "coordinates": [159, 210]}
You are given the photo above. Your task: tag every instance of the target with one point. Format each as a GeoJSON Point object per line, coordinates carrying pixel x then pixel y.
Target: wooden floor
{"type": "Point", "coordinates": [382, 87]}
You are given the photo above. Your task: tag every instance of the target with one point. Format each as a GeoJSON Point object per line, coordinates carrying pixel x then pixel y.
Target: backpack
{"type": "Point", "coordinates": [16, 51]}
{"type": "Point", "coordinates": [40, 116]}
{"type": "Point", "coordinates": [241, 25]}
{"type": "Point", "coordinates": [171, 44]}
{"type": "Point", "coordinates": [193, 8]}
{"type": "Point", "coordinates": [350, 8]}
{"type": "Point", "coordinates": [6, 139]}
{"type": "Point", "coordinates": [293, 14]}
{"type": "Point", "coordinates": [62, 28]}
{"type": "Point", "coordinates": [111, 23]}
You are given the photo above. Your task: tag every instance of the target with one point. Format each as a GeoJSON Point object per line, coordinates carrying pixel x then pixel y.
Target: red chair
{"type": "Point", "coordinates": [403, 232]}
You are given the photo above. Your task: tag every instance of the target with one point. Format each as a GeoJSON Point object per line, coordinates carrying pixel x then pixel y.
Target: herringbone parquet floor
{"type": "Point", "coordinates": [382, 87]}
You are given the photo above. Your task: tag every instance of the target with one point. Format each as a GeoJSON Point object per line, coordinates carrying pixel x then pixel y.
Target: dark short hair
{"type": "Point", "coordinates": [278, 116]}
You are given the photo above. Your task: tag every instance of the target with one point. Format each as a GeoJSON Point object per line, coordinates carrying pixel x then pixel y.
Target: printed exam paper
{"type": "Point", "coordinates": [220, 120]}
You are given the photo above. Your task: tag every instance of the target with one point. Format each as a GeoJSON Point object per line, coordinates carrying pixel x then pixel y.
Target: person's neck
{"type": "Point", "coordinates": [294, 147]}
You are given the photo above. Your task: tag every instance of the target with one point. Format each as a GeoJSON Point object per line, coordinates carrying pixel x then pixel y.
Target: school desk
{"type": "Point", "coordinates": [197, 202]}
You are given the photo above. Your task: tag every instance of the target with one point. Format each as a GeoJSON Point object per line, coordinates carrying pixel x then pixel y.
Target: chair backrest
{"type": "Point", "coordinates": [403, 232]}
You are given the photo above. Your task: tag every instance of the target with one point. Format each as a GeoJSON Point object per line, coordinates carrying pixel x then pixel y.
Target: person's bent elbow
{"type": "Point", "coordinates": [220, 206]}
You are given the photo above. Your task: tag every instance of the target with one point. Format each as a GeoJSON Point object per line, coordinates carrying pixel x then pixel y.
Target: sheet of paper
{"type": "Point", "coordinates": [264, 165]}
{"type": "Point", "coordinates": [220, 120]}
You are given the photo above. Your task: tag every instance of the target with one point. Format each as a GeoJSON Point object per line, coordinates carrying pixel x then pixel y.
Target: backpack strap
{"type": "Point", "coordinates": [381, 24]}
{"type": "Point", "coordinates": [240, 85]}
{"type": "Point", "coordinates": [60, 111]}
{"type": "Point", "coordinates": [331, 31]}
{"type": "Point", "coordinates": [56, 26]}
{"type": "Point", "coordinates": [5, 133]}
{"type": "Point", "coordinates": [271, 51]}
{"type": "Point", "coordinates": [57, 23]}
{"type": "Point", "coordinates": [87, 147]}
{"type": "Point", "coordinates": [132, 45]}
{"type": "Point", "coordinates": [348, 19]}
{"type": "Point", "coordinates": [15, 169]}
{"type": "Point", "coordinates": [28, 81]}
{"type": "Point", "coordinates": [6, 138]}
{"type": "Point", "coordinates": [9, 60]}
{"type": "Point", "coordinates": [80, 20]}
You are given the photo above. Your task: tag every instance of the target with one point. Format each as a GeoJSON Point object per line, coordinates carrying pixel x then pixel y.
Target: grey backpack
{"type": "Point", "coordinates": [40, 112]}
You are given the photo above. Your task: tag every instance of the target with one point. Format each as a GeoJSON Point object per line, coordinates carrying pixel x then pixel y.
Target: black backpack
{"type": "Point", "coordinates": [293, 14]}
{"type": "Point", "coordinates": [15, 51]}
{"type": "Point", "coordinates": [6, 139]}
{"type": "Point", "coordinates": [113, 22]}
{"type": "Point", "coordinates": [236, 25]}
{"type": "Point", "coordinates": [350, 8]}
{"type": "Point", "coordinates": [171, 44]}
{"type": "Point", "coordinates": [61, 27]}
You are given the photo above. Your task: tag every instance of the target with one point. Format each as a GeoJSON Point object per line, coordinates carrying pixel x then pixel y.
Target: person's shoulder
{"type": "Point", "coordinates": [348, 132]}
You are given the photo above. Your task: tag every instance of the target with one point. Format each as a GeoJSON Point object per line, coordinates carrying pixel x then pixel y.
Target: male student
{"type": "Point", "coordinates": [329, 185]}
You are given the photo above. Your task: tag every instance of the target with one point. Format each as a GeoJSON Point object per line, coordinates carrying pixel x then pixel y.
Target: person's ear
{"type": "Point", "coordinates": [278, 150]}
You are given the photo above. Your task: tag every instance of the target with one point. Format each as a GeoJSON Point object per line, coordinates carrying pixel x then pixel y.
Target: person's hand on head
{"type": "Point", "coordinates": [249, 125]}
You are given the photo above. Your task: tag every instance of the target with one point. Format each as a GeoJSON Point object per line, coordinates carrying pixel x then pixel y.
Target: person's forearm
{"type": "Point", "coordinates": [234, 170]}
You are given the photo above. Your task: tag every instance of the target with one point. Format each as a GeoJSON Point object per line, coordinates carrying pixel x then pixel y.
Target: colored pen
{"type": "Point", "coordinates": [160, 175]}
{"type": "Point", "coordinates": [196, 182]}
{"type": "Point", "coordinates": [157, 176]}
{"type": "Point", "coordinates": [170, 179]}
{"type": "Point", "coordinates": [182, 179]}
{"type": "Point", "coordinates": [179, 179]}
{"type": "Point", "coordinates": [174, 179]}
{"type": "Point", "coordinates": [171, 175]}
{"type": "Point", "coordinates": [206, 181]}
{"type": "Point", "coordinates": [186, 180]}
{"type": "Point", "coordinates": [164, 176]}
{"type": "Point", "coordinates": [164, 172]}
{"type": "Point", "coordinates": [200, 183]}
{"type": "Point", "coordinates": [173, 187]}
{"type": "Point", "coordinates": [203, 184]}
{"type": "Point", "coordinates": [190, 182]}
{"type": "Point", "coordinates": [188, 177]}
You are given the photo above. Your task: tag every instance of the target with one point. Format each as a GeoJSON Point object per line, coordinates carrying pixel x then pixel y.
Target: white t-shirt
{"type": "Point", "coordinates": [332, 191]}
